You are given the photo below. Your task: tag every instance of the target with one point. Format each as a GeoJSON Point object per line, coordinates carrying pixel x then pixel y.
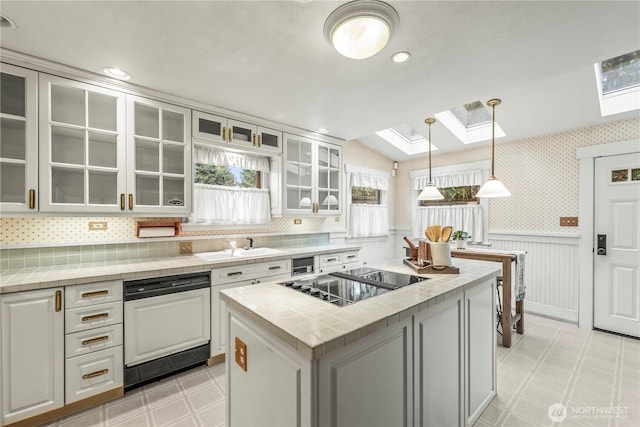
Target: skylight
{"type": "Point", "coordinates": [406, 139]}
{"type": "Point", "coordinates": [470, 122]}
{"type": "Point", "coordinates": [618, 81]}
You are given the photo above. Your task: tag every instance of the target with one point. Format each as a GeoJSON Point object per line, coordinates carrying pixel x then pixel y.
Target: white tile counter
{"type": "Point", "coordinates": [314, 327]}
{"type": "Point", "coordinates": [25, 279]}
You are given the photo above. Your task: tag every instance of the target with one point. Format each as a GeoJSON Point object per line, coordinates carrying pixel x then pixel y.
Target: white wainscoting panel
{"type": "Point", "coordinates": [551, 271]}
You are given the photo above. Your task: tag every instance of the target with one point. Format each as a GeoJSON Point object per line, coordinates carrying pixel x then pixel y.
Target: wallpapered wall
{"type": "Point", "coordinates": [542, 174]}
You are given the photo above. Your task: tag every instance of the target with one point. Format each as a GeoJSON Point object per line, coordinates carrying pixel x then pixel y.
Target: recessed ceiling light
{"type": "Point", "coordinates": [116, 73]}
{"type": "Point", "coordinates": [322, 130]}
{"type": "Point", "coordinates": [7, 23]}
{"type": "Point", "coordinates": [401, 57]}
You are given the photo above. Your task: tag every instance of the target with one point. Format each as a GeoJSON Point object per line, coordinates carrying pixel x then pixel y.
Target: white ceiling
{"type": "Point", "coordinates": [270, 59]}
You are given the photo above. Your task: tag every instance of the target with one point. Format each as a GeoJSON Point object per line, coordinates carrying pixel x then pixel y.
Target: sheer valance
{"type": "Point", "coordinates": [369, 178]}
{"type": "Point", "coordinates": [451, 179]}
{"type": "Point", "coordinates": [218, 157]}
{"type": "Point", "coordinates": [462, 217]}
{"type": "Point", "coordinates": [231, 205]}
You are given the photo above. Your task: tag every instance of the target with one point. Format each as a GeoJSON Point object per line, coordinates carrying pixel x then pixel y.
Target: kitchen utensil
{"type": "Point", "coordinates": [430, 232]}
{"type": "Point", "coordinates": [438, 229]}
{"type": "Point", "coordinates": [446, 233]}
{"type": "Point", "coordinates": [409, 242]}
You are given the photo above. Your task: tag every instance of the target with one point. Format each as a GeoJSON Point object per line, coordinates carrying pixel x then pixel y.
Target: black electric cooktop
{"type": "Point", "coordinates": [347, 287]}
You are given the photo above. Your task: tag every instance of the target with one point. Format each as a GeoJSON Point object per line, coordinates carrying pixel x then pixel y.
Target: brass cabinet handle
{"type": "Point", "coordinates": [275, 267]}
{"type": "Point", "coordinates": [235, 273]}
{"type": "Point", "coordinates": [259, 140]}
{"type": "Point", "coordinates": [254, 139]}
{"type": "Point", "coordinates": [121, 201]}
{"type": "Point", "coordinates": [224, 133]}
{"type": "Point", "coordinates": [130, 201]}
{"type": "Point", "coordinates": [58, 301]}
{"type": "Point", "coordinates": [95, 294]}
{"type": "Point", "coordinates": [230, 135]}
{"type": "Point", "coordinates": [331, 259]}
{"type": "Point", "coordinates": [32, 199]}
{"type": "Point", "coordinates": [95, 374]}
{"type": "Point", "coordinates": [95, 340]}
{"type": "Point", "coordinates": [95, 317]}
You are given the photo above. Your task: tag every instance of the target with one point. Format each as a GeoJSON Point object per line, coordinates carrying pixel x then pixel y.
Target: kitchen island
{"type": "Point", "coordinates": [420, 355]}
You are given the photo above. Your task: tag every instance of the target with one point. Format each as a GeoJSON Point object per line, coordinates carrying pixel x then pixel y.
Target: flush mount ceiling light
{"type": "Point", "coordinates": [400, 57]}
{"type": "Point", "coordinates": [116, 73]}
{"type": "Point", "coordinates": [361, 28]}
{"type": "Point", "coordinates": [430, 192]}
{"type": "Point", "coordinates": [493, 187]}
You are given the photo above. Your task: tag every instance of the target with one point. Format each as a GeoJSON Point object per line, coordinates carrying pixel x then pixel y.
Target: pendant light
{"type": "Point", "coordinates": [430, 192]}
{"type": "Point", "coordinates": [493, 187]}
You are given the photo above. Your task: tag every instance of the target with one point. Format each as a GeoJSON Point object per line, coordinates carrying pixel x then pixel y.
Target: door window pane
{"type": "Point", "coordinates": [173, 158]}
{"type": "Point", "coordinates": [209, 126]}
{"type": "Point", "coordinates": [173, 192]}
{"type": "Point", "coordinates": [103, 188]}
{"type": "Point", "coordinates": [67, 145]}
{"type": "Point", "coordinates": [67, 105]}
{"type": "Point", "coordinates": [103, 150]}
{"type": "Point", "coordinates": [147, 190]}
{"type": "Point", "coordinates": [147, 121]}
{"type": "Point", "coordinates": [172, 126]}
{"type": "Point", "coordinates": [102, 111]}
{"type": "Point", "coordinates": [13, 139]}
{"type": "Point", "coordinates": [67, 185]}
{"type": "Point", "coordinates": [12, 95]}
{"type": "Point", "coordinates": [147, 156]}
{"type": "Point", "coordinates": [12, 183]}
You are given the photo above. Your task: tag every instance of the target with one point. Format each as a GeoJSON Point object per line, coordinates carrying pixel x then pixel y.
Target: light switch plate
{"type": "Point", "coordinates": [185, 248]}
{"type": "Point", "coordinates": [241, 353]}
{"type": "Point", "coordinates": [98, 225]}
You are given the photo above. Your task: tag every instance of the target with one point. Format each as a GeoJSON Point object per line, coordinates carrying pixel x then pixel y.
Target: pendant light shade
{"type": "Point", "coordinates": [493, 187]}
{"type": "Point", "coordinates": [430, 192]}
{"type": "Point", "coordinates": [361, 28]}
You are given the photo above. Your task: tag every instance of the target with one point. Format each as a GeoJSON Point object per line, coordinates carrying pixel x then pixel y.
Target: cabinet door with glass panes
{"type": "Point", "coordinates": [82, 147]}
{"type": "Point", "coordinates": [269, 140]}
{"type": "Point", "coordinates": [311, 177]}
{"type": "Point", "coordinates": [18, 139]}
{"type": "Point", "coordinates": [158, 157]}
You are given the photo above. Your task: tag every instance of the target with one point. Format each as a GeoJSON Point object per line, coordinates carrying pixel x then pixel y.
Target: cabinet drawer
{"type": "Point", "coordinates": [93, 373]}
{"type": "Point", "coordinates": [259, 270]}
{"type": "Point", "coordinates": [349, 257]}
{"type": "Point", "coordinates": [330, 260]}
{"type": "Point", "coordinates": [94, 316]}
{"type": "Point", "coordinates": [92, 293]}
{"type": "Point", "coordinates": [92, 340]}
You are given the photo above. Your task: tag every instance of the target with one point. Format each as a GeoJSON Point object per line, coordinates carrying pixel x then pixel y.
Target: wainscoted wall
{"type": "Point", "coordinates": [551, 271]}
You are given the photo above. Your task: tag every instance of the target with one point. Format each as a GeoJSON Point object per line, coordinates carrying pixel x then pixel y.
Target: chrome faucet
{"type": "Point", "coordinates": [250, 242]}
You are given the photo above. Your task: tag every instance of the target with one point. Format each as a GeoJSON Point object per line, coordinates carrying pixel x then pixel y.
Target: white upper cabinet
{"type": "Point", "coordinates": [159, 167]}
{"type": "Point", "coordinates": [18, 139]}
{"type": "Point", "coordinates": [312, 177]}
{"type": "Point", "coordinates": [234, 133]}
{"type": "Point", "coordinates": [82, 147]}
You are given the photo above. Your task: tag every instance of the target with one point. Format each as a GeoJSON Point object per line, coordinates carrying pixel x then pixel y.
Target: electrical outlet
{"type": "Point", "coordinates": [185, 247]}
{"type": "Point", "coordinates": [97, 225]}
{"type": "Point", "coordinates": [568, 221]}
{"type": "Point", "coordinates": [297, 221]}
{"type": "Point", "coordinates": [241, 353]}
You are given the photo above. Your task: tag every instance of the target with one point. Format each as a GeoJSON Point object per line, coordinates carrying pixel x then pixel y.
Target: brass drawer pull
{"type": "Point", "coordinates": [350, 256]}
{"type": "Point", "coordinates": [95, 294]}
{"type": "Point", "coordinates": [32, 199]}
{"type": "Point", "coordinates": [95, 340]}
{"type": "Point", "coordinates": [235, 273]}
{"type": "Point", "coordinates": [95, 317]}
{"type": "Point", "coordinates": [58, 301]}
{"type": "Point", "coordinates": [275, 267]}
{"type": "Point", "coordinates": [331, 259]}
{"type": "Point", "coordinates": [95, 374]}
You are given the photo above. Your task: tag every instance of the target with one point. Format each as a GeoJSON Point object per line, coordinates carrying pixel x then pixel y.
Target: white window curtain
{"type": "Point", "coordinates": [231, 206]}
{"type": "Point", "coordinates": [452, 179]}
{"type": "Point", "coordinates": [461, 217]}
{"type": "Point", "coordinates": [368, 220]}
{"type": "Point", "coordinates": [215, 204]}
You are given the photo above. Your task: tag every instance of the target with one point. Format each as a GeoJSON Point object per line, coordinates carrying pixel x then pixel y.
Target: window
{"type": "Point", "coordinates": [368, 214]}
{"type": "Point", "coordinates": [406, 139]}
{"type": "Point", "coordinates": [618, 82]}
{"type": "Point", "coordinates": [460, 209]}
{"type": "Point", "coordinates": [470, 122]}
{"type": "Point", "coordinates": [228, 188]}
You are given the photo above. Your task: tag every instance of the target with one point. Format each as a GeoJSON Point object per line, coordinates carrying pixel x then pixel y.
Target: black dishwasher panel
{"type": "Point", "coordinates": [147, 288]}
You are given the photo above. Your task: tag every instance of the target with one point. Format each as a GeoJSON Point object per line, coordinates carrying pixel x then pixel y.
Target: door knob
{"type": "Point", "coordinates": [602, 244]}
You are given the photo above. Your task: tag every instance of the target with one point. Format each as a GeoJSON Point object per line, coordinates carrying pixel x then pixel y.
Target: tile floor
{"type": "Point", "coordinates": [594, 375]}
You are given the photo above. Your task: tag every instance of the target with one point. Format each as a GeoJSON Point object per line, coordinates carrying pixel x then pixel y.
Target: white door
{"type": "Point", "coordinates": [617, 268]}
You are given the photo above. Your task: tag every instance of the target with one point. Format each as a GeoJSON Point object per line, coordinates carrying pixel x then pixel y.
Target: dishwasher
{"type": "Point", "coordinates": [167, 325]}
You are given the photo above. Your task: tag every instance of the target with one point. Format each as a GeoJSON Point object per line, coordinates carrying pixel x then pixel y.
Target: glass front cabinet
{"type": "Point", "coordinates": [158, 157]}
{"type": "Point", "coordinates": [311, 177]}
{"type": "Point", "coordinates": [82, 147]}
{"type": "Point", "coordinates": [18, 139]}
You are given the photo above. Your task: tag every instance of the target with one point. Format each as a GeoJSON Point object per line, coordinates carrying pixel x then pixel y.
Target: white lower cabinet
{"type": "Point", "coordinates": [234, 277]}
{"type": "Point", "coordinates": [93, 340]}
{"type": "Point", "coordinates": [369, 383]}
{"type": "Point", "coordinates": [338, 261]}
{"type": "Point", "coordinates": [32, 349]}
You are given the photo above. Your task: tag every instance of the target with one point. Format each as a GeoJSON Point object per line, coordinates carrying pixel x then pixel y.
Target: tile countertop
{"type": "Point", "coordinates": [314, 327]}
{"type": "Point", "coordinates": [26, 279]}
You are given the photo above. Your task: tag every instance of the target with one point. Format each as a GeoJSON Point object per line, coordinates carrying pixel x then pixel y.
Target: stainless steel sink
{"type": "Point", "coordinates": [229, 254]}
